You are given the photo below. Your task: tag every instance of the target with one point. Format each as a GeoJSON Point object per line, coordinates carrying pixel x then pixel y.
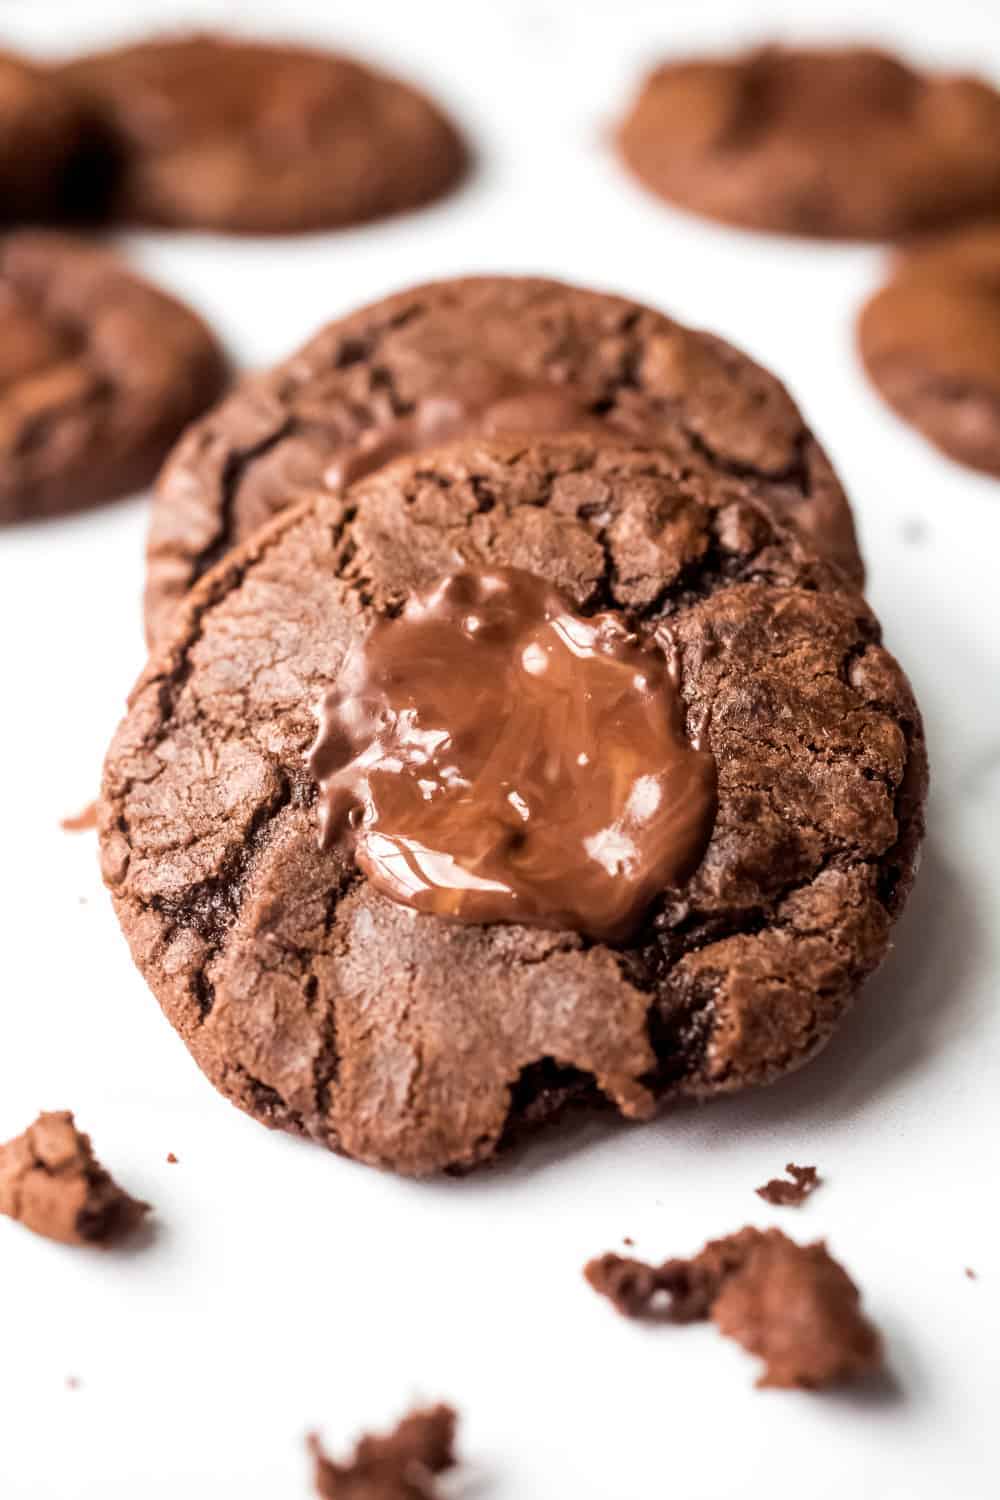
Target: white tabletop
{"type": "Point", "coordinates": [286, 1289]}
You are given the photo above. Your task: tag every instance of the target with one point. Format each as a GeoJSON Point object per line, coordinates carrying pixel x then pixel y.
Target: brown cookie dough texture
{"type": "Point", "coordinates": [213, 133]}
{"type": "Point", "coordinates": [51, 1182]}
{"type": "Point", "coordinates": [302, 425]}
{"type": "Point", "coordinates": [930, 341]}
{"type": "Point", "coordinates": [41, 129]}
{"type": "Point", "coordinates": [99, 371]}
{"type": "Point", "coordinates": [411, 1041]}
{"type": "Point", "coordinates": [847, 143]}
{"type": "Point", "coordinates": [792, 1305]}
{"type": "Point", "coordinates": [400, 1465]}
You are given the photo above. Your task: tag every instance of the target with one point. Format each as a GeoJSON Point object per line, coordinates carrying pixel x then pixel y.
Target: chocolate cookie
{"type": "Point", "coordinates": [847, 143]}
{"type": "Point", "coordinates": [99, 371]}
{"type": "Point", "coordinates": [42, 128]}
{"type": "Point", "coordinates": [480, 356]}
{"type": "Point", "coordinates": [213, 133]}
{"type": "Point", "coordinates": [390, 1026]}
{"type": "Point", "coordinates": [930, 341]}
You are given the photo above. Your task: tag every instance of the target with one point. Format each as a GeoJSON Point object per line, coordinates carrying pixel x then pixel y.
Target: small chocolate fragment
{"type": "Point", "coordinates": [81, 822]}
{"type": "Point", "coordinates": [51, 1182]}
{"type": "Point", "coordinates": [784, 1194]}
{"type": "Point", "coordinates": [398, 1466]}
{"type": "Point", "coordinates": [793, 1305]}
{"type": "Point", "coordinates": [497, 757]}
{"type": "Point", "coordinates": [171, 1159]}
{"type": "Point", "coordinates": [971, 1274]}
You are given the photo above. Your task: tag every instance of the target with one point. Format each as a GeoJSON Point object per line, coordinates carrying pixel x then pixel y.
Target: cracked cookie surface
{"type": "Point", "coordinates": [99, 371]}
{"type": "Point", "coordinates": [409, 1041]}
{"type": "Point", "coordinates": [298, 427]}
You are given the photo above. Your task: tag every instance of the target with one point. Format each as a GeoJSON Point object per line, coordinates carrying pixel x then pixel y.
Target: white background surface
{"type": "Point", "coordinates": [286, 1289]}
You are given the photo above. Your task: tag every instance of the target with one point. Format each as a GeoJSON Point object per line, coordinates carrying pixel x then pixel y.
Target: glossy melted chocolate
{"type": "Point", "coordinates": [498, 758]}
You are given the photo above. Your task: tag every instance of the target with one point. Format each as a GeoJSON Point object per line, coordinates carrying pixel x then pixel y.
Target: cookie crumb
{"type": "Point", "coordinates": [971, 1274]}
{"type": "Point", "coordinates": [51, 1182]}
{"type": "Point", "coordinates": [81, 822]}
{"type": "Point", "coordinates": [627, 1240]}
{"type": "Point", "coordinates": [785, 1194]}
{"type": "Point", "coordinates": [72, 1383]}
{"type": "Point", "coordinates": [171, 1158]}
{"type": "Point", "coordinates": [793, 1305]}
{"type": "Point", "coordinates": [400, 1465]}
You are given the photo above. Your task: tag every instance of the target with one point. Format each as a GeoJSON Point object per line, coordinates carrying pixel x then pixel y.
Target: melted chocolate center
{"type": "Point", "coordinates": [498, 758]}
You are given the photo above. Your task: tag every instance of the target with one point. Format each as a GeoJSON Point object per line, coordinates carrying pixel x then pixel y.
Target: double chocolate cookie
{"type": "Point", "coordinates": [482, 356]}
{"type": "Point", "coordinates": [930, 341]}
{"type": "Point", "coordinates": [333, 862]}
{"type": "Point", "coordinates": [99, 371]}
{"type": "Point", "coordinates": [211, 132]}
{"type": "Point", "coordinates": [847, 143]}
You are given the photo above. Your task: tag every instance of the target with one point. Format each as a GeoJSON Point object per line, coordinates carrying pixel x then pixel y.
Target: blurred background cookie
{"type": "Point", "coordinates": [845, 143]}
{"type": "Point", "coordinates": [217, 133]}
{"type": "Point", "coordinates": [930, 341]}
{"type": "Point", "coordinates": [42, 128]}
{"type": "Point", "coordinates": [99, 371]}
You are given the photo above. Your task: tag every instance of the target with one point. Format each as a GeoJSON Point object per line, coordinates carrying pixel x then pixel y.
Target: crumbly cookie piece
{"type": "Point", "coordinates": [52, 1183]}
{"type": "Point", "coordinates": [792, 1305]}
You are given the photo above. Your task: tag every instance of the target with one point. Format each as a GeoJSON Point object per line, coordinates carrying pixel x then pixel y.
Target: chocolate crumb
{"type": "Point", "coordinates": [627, 1240]}
{"type": "Point", "coordinates": [72, 1383]}
{"type": "Point", "coordinates": [972, 1275]}
{"type": "Point", "coordinates": [793, 1305]}
{"type": "Point", "coordinates": [400, 1465]}
{"type": "Point", "coordinates": [51, 1182]}
{"type": "Point", "coordinates": [785, 1194]}
{"type": "Point", "coordinates": [80, 822]}
{"type": "Point", "coordinates": [171, 1158]}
